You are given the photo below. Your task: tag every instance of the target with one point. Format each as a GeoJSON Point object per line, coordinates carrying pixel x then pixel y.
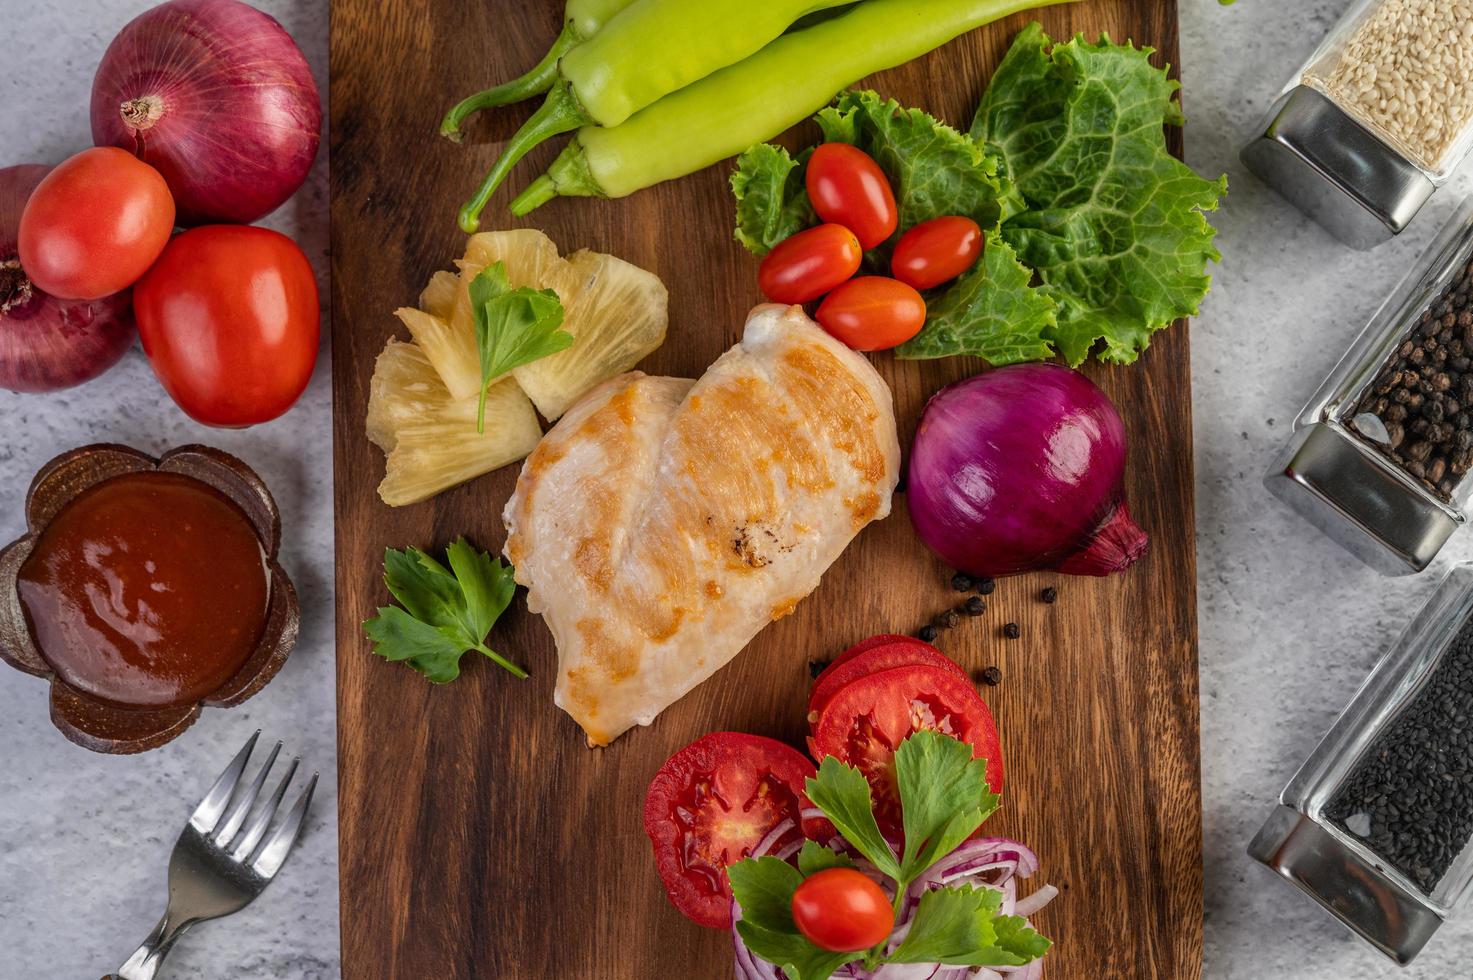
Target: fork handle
{"type": "Point", "coordinates": [148, 958]}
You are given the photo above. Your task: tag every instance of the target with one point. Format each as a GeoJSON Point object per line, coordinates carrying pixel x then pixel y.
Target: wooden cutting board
{"type": "Point", "coordinates": [480, 837]}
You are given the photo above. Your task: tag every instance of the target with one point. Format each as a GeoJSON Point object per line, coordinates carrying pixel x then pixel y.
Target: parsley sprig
{"type": "Point", "coordinates": [513, 327]}
{"type": "Point", "coordinates": [944, 798]}
{"type": "Point", "coordinates": [446, 612]}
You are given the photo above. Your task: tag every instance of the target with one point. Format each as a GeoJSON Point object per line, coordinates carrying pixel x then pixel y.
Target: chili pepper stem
{"type": "Point", "coordinates": [536, 81]}
{"type": "Point", "coordinates": [568, 176]}
{"type": "Point", "coordinates": [561, 113]}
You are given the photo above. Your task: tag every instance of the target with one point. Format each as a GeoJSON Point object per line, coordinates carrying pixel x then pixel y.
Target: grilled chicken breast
{"type": "Point", "coordinates": [663, 522]}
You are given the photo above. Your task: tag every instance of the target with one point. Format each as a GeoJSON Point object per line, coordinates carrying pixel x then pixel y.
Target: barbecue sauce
{"type": "Point", "coordinates": [148, 590]}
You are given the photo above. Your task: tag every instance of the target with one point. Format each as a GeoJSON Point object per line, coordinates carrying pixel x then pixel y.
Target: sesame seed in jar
{"type": "Point", "coordinates": [1406, 73]}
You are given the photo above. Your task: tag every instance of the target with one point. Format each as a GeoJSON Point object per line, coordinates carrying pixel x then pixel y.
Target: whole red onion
{"type": "Point", "coordinates": [217, 97]}
{"type": "Point", "coordinates": [1021, 468]}
{"type": "Point", "coordinates": [47, 343]}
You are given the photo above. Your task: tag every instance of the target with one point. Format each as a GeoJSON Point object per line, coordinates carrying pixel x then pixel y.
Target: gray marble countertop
{"type": "Point", "coordinates": [1289, 625]}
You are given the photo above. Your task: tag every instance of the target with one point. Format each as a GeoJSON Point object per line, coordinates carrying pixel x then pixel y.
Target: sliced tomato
{"type": "Point", "coordinates": [875, 641]}
{"type": "Point", "coordinates": [868, 718]}
{"type": "Point", "coordinates": [902, 651]}
{"type": "Point", "coordinates": [710, 804]}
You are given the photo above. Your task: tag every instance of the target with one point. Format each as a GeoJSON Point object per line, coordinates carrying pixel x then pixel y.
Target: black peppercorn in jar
{"type": "Point", "coordinates": [1377, 824]}
{"type": "Point", "coordinates": [1381, 458]}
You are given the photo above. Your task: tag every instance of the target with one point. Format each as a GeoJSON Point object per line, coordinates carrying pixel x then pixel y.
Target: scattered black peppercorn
{"type": "Point", "coordinates": [991, 677]}
{"type": "Point", "coordinates": [1012, 631]}
{"type": "Point", "coordinates": [947, 620]}
{"type": "Point", "coordinates": [962, 582]}
{"type": "Point", "coordinates": [927, 634]}
{"type": "Point", "coordinates": [985, 586]}
{"type": "Point", "coordinates": [1049, 595]}
{"type": "Point", "coordinates": [816, 667]}
{"type": "Point", "coordinates": [974, 606]}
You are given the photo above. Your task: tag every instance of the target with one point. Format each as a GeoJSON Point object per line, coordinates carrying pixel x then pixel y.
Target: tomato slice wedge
{"type": "Point", "coordinates": [710, 804]}
{"type": "Point", "coordinates": [901, 651]}
{"type": "Point", "coordinates": [867, 719]}
{"type": "Point", "coordinates": [863, 646]}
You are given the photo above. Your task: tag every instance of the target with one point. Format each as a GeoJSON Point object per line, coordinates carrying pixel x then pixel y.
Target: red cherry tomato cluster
{"type": "Point", "coordinates": [713, 802]}
{"type": "Point", "coordinates": [850, 193]}
{"type": "Point", "coordinates": [228, 314]}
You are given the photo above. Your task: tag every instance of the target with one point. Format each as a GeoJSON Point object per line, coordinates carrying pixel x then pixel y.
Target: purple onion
{"type": "Point", "coordinates": [217, 97]}
{"type": "Point", "coordinates": [1020, 469]}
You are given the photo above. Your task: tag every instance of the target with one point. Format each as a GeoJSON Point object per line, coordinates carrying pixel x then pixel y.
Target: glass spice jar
{"type": "Point", "coordinates": [1376, 824]}
{"type": "Point", "coordinates": [1376, 120]}
{"type": "Point", "coordinates": [1380, 457]}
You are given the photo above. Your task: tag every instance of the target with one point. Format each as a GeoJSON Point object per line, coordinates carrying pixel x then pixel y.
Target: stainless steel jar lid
{"type": "Point", "coordinates": [1351, 888]}
{"type": "Point", "coordinates": [1357, 497]}
{"type": "Point", "coordinates": [1336, 171]}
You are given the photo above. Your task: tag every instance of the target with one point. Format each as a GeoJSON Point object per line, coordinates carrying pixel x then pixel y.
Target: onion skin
{"type": "Point", "coordinates": [218, 98]}
{"type": "Point", "coordinates": [47, 344]}
{"type": "Point", "coordinates": [1019, 469]}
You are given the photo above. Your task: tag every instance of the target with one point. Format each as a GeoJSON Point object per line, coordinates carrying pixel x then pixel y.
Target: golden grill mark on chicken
{"type": "Point", "coordinates": [663, 522]}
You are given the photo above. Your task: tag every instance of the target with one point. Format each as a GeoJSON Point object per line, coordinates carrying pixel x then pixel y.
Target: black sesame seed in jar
{"type": "Point", "coordinates": [1410, 795]}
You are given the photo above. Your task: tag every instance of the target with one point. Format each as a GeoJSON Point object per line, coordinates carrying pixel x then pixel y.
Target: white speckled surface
{"type": "Point", "coordinates": [1289, 625]}
{"type": "Point", "coordinates": [84, 838]}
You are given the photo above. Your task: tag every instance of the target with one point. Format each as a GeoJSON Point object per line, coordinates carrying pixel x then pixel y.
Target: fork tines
{"type": "Point", "coordinates": [224, 818]}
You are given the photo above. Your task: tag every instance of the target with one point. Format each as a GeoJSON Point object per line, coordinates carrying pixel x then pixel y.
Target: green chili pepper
{"type": "Point", "coordinates": [647, 51]}
{"type": "Point", "coordinates": [754, 100]}
{"type": "Point", "coordinates": [582, 20]}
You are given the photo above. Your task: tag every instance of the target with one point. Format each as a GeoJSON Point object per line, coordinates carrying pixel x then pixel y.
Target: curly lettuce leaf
{"type": "Point", "coordinates": [1115, 225]}
{"type": "Point", "coordinates": [771, 202]}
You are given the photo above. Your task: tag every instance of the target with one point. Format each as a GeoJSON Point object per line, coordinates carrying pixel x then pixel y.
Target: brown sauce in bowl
{"type": "Point", "coordinates": [148, 590]}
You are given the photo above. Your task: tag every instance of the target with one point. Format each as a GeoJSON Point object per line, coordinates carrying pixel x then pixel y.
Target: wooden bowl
{"type": "Point", "coordinates": [104, 727]}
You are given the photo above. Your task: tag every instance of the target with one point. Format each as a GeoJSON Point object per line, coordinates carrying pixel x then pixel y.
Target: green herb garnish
{"type": "Point", "coordinates": [944, 798]}
{"type": "Point", "coordinates": [513, 327]}
{"type": "Point", "coordinates": [446, 612]}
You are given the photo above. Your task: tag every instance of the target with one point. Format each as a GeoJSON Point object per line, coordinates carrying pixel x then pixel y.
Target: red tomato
{"type": "Point", "coordinates": [228, 318]}
{"type": "Point", "coordinates": [867, 719]}
{"type": "Point", "coordinates": [95, 224]}
{"type": "Point", "coordinates": [901, 653]}
{"type": "Point", "coordinates": [805, 266]}
{"type": "Point", "coordinates": [841, 910]}
{"type": "Point", "coordinates": [710, 804]}
{"type": "Point", "coordinates": [879, 640]}
{"type": "Point", "coordinates": [936, 251]}
{"type": "Point", "coordinates": [873, 313]}
{"type": "Point", "coordinates": [848, 188]}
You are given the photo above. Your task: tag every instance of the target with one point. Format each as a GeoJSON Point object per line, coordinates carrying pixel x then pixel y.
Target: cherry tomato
{"type": "Point", "coordinates": [936, 251]}
{"type": "Point", "coordinates": [228, 318]}
{"type": "Point", "coordinates": [841, 910]}
{"type": "Point", "coordinates": [898, 652]}
{"type": "Point", "coordinates": [873, 313]}
{"type": "Point", "coordinates": [864, 722]}
{"type": "Point", "coordinates": [805, 266]}
{"type": "Point", "coordinates": [710, 804]}
{"type": "Point", "coordinates": [848, 188]}
{"type": "Point", "coordinates": [95, 224]}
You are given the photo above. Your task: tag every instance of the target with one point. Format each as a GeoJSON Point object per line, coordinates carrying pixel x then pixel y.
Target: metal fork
{"type": "Point", "coordinates": [220, 862]}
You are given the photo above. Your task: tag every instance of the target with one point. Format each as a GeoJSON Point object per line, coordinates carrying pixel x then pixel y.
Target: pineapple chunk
{"type": "Point", "coordinates": [450, 349]}
{"type": "Point", "coordinates": [438, 297]}
{"type": "Point", "coordinates": [616, 313]}
{"type": "Point", "coordinates": [430, 436]}
{"type": "Point", "coordinates": [527, 253]}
